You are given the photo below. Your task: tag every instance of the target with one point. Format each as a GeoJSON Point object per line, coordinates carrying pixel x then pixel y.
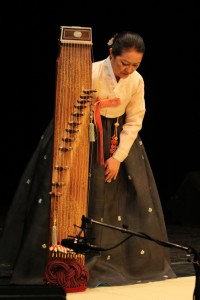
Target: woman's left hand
{"type": "Point", "coordinates": [111, 169]}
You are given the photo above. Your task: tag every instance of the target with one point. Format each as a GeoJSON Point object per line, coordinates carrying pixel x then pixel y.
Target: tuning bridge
{"type": "Point", "coordinates": [88, 91]}
{"type": "Point", "coordinates": [71, 130]}
{"type": "Point", "coordinates": [78, 114]}
{"type": "Point", "coordinates": [61, 168]}
{"type": "Point", "coordinates": [83, 101]}
{"type": "Point", "coordinates": [65, 149]}
{"type": "Point", "coordinates": [57, 194]}
{"type": "Point", "coordinates": [78, 106]}
{"type": "Point", "coordinates": [74, 124]}
{"type": "Point", "coordinates": [85, 96]}
{"type": "Point", "coordinates": [68, 139]}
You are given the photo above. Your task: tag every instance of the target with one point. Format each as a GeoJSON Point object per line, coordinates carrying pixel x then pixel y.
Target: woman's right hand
{"type": "Point", "coordinates": [111, 169]}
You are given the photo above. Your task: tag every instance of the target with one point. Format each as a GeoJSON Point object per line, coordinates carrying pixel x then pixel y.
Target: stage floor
{"type": "Point", "coordinates": [171, 289]}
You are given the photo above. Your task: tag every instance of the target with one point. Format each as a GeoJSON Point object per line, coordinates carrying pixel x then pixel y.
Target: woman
{"type": "Point", "coordinates": [122, 187]}
{"type": "Point", "coordinates": [122, 190]}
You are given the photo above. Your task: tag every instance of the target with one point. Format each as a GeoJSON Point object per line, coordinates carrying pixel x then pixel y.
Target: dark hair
{"type": "Point", "coordinates": [126, 40]}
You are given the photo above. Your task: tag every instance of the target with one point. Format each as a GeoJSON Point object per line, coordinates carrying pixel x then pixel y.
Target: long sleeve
{"type": "Point", "coordinates": [135, 112]}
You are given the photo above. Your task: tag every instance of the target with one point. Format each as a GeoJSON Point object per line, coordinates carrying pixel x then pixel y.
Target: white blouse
{"type": "Point", "coordinates": [131, 94]}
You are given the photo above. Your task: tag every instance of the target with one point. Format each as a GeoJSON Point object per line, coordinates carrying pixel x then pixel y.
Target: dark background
{"type": "Point", "coordinates": [170, 68]}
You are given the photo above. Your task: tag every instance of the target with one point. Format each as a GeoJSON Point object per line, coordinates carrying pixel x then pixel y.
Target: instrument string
{"type": "Point", "coordinates": [69, 186]}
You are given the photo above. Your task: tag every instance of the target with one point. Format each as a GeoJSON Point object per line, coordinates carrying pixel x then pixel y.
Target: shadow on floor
{"type": "Point", "coordinates": [189, 237]}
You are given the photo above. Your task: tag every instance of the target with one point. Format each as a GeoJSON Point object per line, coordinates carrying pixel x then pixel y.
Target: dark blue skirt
{"type": "Point", "coordinates": [131, 201]}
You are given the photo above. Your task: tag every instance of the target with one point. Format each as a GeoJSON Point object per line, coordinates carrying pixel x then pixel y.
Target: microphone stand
{"type": "Point", "coordinates": [189, 250]}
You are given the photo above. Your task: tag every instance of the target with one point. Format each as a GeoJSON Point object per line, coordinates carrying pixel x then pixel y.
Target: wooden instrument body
{"type": "Point", "coordinates": [69, 195]}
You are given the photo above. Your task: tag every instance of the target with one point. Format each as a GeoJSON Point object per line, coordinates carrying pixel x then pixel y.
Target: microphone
{"type": "Point", "coordinates": [85, 220]}
{"type": "Point", "coordinates": [79, 245]}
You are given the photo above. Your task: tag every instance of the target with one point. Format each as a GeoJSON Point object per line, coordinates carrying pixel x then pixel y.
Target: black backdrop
{"type": "Point", "coordinates": [170, 69]}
